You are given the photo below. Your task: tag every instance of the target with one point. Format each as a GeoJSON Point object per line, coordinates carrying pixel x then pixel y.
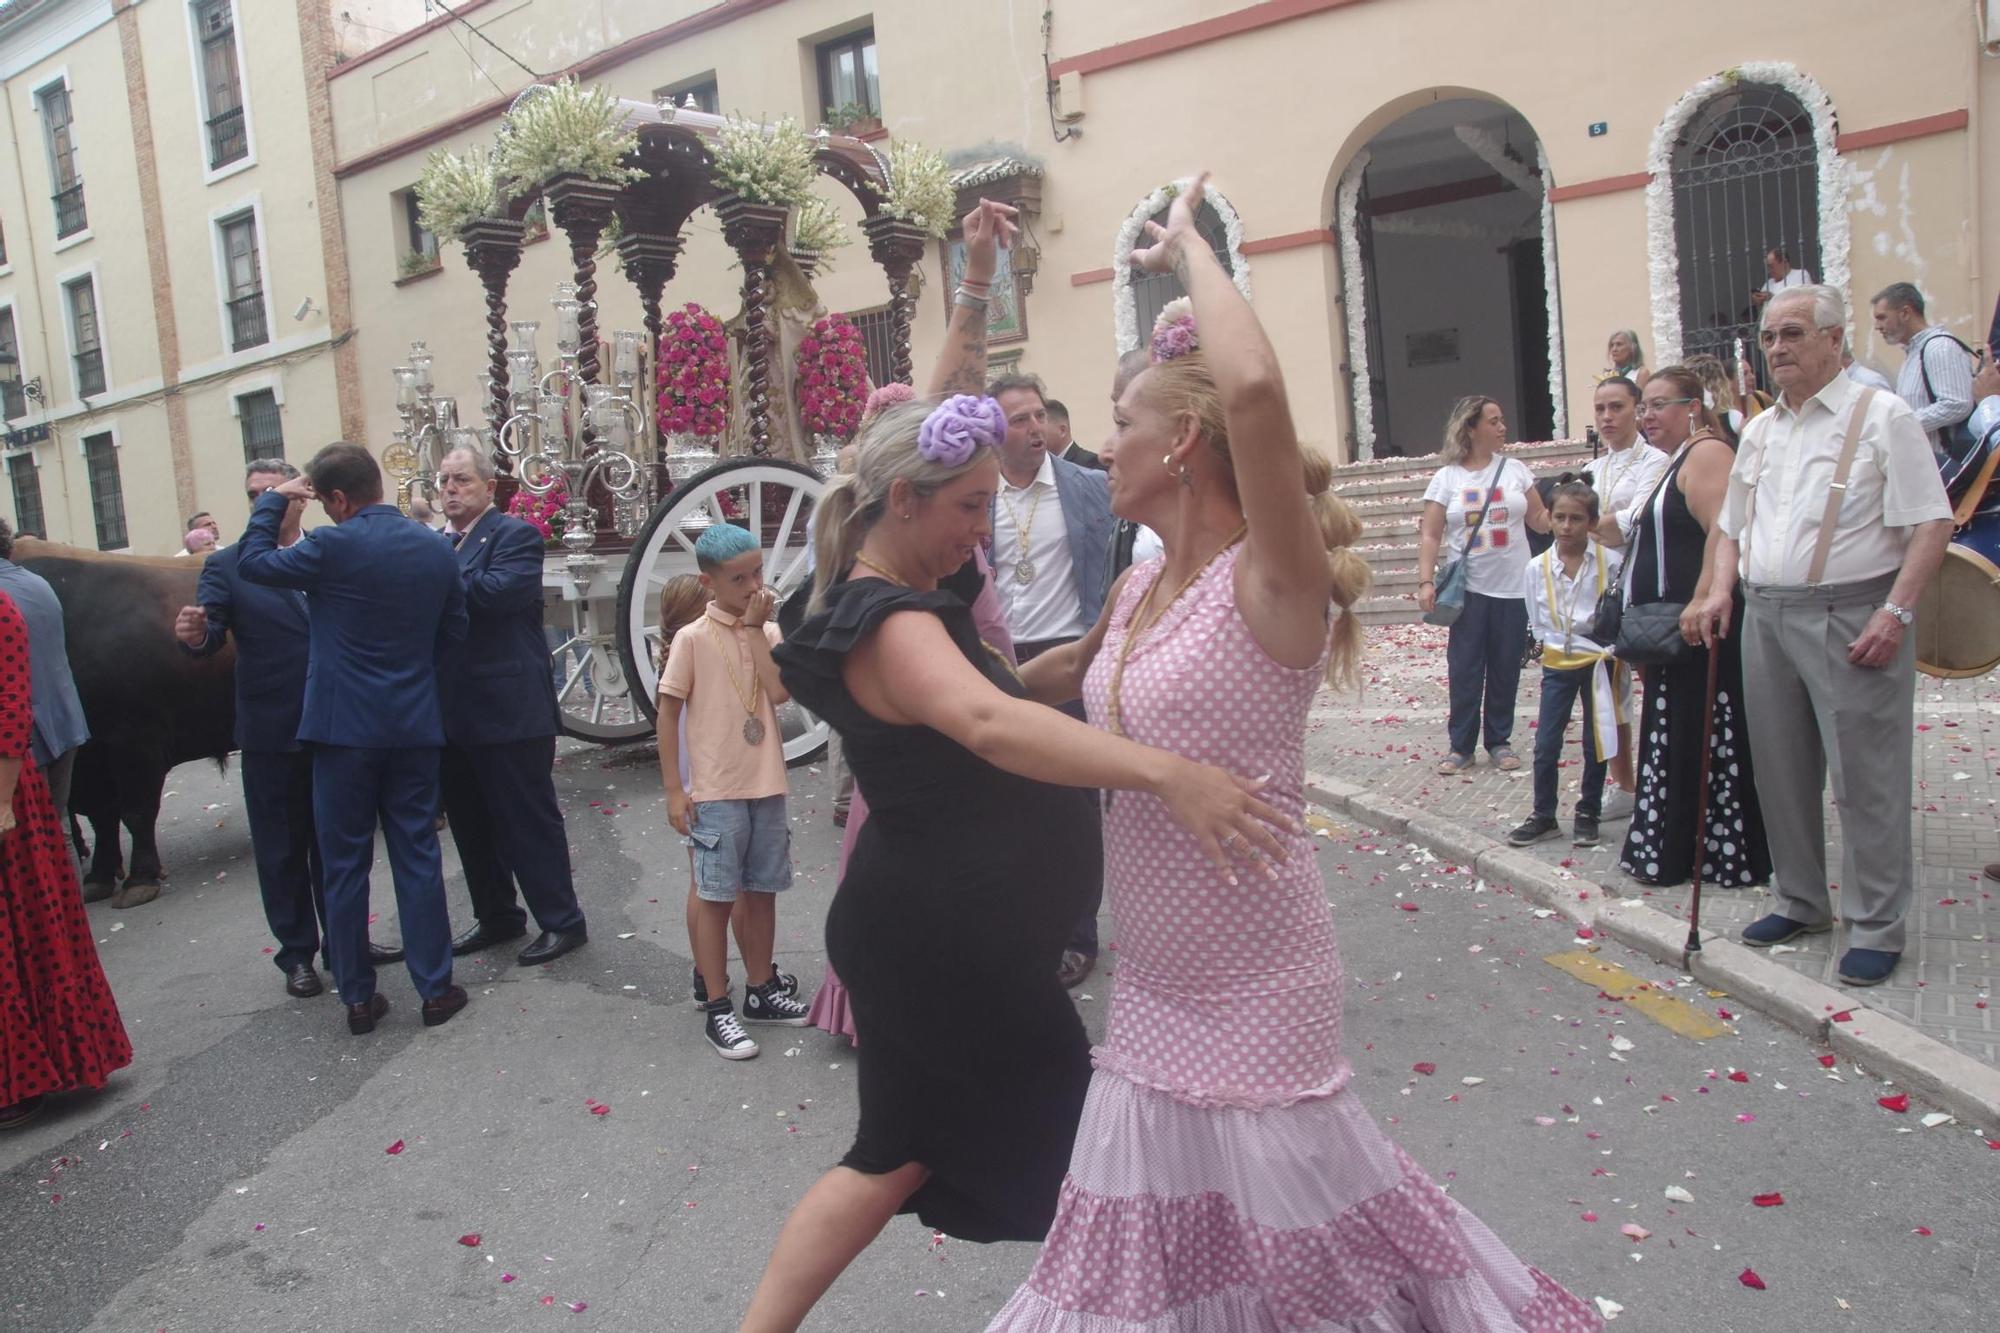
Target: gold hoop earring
{"type": "Point", "coordinates": [1167, 462]}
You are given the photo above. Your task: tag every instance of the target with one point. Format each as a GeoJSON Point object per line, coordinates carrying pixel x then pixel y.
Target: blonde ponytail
{"type": "Point", "coordinates": [1339, 528]}
{"type": "Point", "coordinates": [837, 534]}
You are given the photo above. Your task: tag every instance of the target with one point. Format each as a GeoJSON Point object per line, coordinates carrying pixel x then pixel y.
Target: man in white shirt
{"type": "Point", "coordinates": [1863, 373]}
{"type": "Point", "coordinates": [1828, 660]}
{"type": "Point", "coordinates": [1051, 547]}
{"type": "Point", "coordinates": [1780, 276]}
{"type": "Point", "coordinates": [1936, 379]}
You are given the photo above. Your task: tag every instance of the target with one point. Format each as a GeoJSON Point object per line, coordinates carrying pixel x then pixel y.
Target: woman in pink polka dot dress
{"type": "Point", "coordinates": [1224, 1179]}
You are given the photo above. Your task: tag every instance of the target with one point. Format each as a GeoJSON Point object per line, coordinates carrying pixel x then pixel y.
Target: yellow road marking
{"type": "Point", "coordinates": [1670, 1012]}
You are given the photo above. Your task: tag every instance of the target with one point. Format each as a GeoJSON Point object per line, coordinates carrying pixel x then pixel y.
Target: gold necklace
{"type": "Point", "coordinates": [753, 724]}
{"type": "Point", "coordinates": [1140, 623]}
{"type": "Point", "coordinates": [900, 581]}
{"type": "Point", "coordinates": [1024, 568]}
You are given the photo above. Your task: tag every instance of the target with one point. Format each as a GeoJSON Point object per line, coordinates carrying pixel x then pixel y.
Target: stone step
{"type": "Point", "coordinates": [1374, 489]}
{"type": "Point", "coordinates": [1428, 463]}
{"type": "Point", "coordinates": [1387, 611]}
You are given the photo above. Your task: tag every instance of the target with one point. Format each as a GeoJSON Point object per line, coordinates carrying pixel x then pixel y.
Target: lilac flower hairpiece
{"type": "Point", "coordinates": [1174, 332]}
{"type": "Point", "coordinates": [957, 427]}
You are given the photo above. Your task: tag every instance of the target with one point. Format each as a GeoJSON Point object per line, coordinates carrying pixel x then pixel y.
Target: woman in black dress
{"type": "Point", "coordinates": [962, 887]}
{"type": "Point", "coordinates": [1665, 549]}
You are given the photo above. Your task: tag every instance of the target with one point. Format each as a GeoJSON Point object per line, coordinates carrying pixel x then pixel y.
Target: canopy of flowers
{"type": "Point", "coordinates": [543, 513]}
{"type": "Point", "coordinates": [920, 188]}
{"type": "Point", "coordinates": [694, 373]}
{"type": "Point", "coordinates": [817, 229]}
{"type": "Point", "coordinates": [766, 164]}
{"type": "Point", "coordinates": [455, 190]}
{"type": "Point", "coordinates": [833, 377]}
{"type": "Point", "coordinates": [565, 129]}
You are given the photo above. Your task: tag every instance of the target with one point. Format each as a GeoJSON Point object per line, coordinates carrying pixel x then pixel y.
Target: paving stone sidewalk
{"type": "Point", "coordinates": [1391, 738]}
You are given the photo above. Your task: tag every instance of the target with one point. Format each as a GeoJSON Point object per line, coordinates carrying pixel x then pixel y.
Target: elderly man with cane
{"type": "Point", "coordinates": [1837, 521]}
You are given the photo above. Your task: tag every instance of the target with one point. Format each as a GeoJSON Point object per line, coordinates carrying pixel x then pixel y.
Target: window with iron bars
{"type": "Point", "coordinates": [243, 270]}
{"type": "Point", "coordinates": [13, 400]}
{"type": "Point", "coordinates": [27, 483]}
{"type": "Point", "coordinates": [88, 356]}
{"type": "Point", "coordinates": [878, 337]}
{"type": "Point", "coordinates": [107, 492]}
{"type": "Point", "coordinates": [222, 83]}
{"type": "Point", "coordinates": [263, 427]}
{"type": "Point", "coordinates": [71, 217]}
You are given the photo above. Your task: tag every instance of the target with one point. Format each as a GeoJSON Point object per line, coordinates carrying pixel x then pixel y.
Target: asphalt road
{"type": "Point", "coordinates": [238, 1175]}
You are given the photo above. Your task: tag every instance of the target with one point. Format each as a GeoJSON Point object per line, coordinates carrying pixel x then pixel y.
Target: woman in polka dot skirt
{"type": "Point", "coordinates": [1224, 1177]}
{"type": "Point", "coordinates": [59, 1027]}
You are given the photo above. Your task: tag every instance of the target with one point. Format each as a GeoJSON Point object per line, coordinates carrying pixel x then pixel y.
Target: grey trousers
{"type": "Point", "coordinates": [1808, 706]}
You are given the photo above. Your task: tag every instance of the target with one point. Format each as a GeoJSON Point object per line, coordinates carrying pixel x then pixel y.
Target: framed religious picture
{"type": "Point", "coordinates": [1006, 313]}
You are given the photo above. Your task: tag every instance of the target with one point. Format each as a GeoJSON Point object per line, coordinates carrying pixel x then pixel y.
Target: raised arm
{"type": "Point", "coordinates": [201, 629]}
{"type": "Point", "coordinates": [961, 368]}
{"type": "Point", "coordinates": [909, 673]}
{"type": "Point", "coordinates": [258, 557]}
{"type": "Point", "coordinates": [512, 576]}
{"type": "Point", "coordinates": [1284, 557]}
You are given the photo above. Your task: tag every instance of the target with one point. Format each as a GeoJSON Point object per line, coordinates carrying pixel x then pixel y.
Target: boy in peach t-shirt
{"type": "Point", "coordinates": [721, 689]}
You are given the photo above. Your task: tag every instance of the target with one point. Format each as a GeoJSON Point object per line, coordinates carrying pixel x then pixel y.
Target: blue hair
{"type": "Point", "coordinates": [720, 543]}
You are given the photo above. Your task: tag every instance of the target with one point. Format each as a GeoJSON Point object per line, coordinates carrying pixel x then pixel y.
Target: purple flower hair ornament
{"type": "Point", "coordinates": [958, 427]}
{"type": "Point", "coordinates": [1174, 332]}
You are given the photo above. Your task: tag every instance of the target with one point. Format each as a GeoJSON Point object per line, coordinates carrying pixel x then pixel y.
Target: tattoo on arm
{"type": "Point", "coordinates": [962, 368]}
{"type": "Point", "coordinates": [1180, 264]}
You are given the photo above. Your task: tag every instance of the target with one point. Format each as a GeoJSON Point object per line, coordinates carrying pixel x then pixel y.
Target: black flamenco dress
{"type": "Point", "coordinates": [948, 929]}
{"type": "Point", "coordinates": [1659, 846]}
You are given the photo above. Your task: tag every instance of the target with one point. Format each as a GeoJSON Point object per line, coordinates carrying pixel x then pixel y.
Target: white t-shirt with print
{"type": "Point", "coordinates": [1499, 553]}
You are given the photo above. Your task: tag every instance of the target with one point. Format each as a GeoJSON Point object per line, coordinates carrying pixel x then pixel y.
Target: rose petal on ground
{"type": "Point", "coordinates": [1589, 1217]}
{"type": "Point", "coordinates": [600, 1110]}
{"type": "Point", "coordinates": [1424, 1067]}
{"type": "Point", "coordinates": [577, 1307]}
{"type": "Point", "coordinates": [1407, 907]}
{"type": "Point", "coordinates": [1634, 1230]}
{"type": "Point", "coordinates": [1472, 1082]}
{"type": "Point", "coordinates": [1748, 1277]}
{"type": "Point", "coordinates": [1898, 1103]}
{"type": "Point", "coordinates": [1936, 1118]}
{"type": "Point", "coordinates": [1771, 1200]}
{"type": "Point", "coordinates": [507, 1277]}
{"type": "Point", "coordinates": [470, 1240]}
{"type": "Point", "coordinates": [1678, 1195]}
{"type": "Point", "coordinates": [1920, 1231]}
{"type": "Point", "coordinates": [1828, 1061]}
{"type": "Point", "coordinates": [1738, 1076]}
{"type": "Point", "coordinates": [1745, 1118]}
{"type": "Point", "coordinates": [1608, 1308]}
{"type": "Point", "coordinates": [394, 1148]}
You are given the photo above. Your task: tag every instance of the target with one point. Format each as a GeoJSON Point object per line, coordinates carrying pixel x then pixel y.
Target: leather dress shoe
{"type": "Point", "coordinates": [553, 944]}
{"type": "Point", "coordinates": [438, 1011]}
{"type": "Point", "coordinates": [1075, 966]}
{"type": "Point", "coordinates": [378, 954]}
{"type": "Point", "coordinates": [361, 1017]}
{"type": "Point", "coordinates": [302, 982]}
{"type": "Point", "coordinates": [482, 936]}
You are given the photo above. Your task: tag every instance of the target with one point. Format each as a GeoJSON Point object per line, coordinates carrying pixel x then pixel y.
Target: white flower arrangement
{"type": "Point", "coordinates": [1662, 257]}
{"type": "Point", "coordinates": [765, 164]}
{"type": "Point", "coordinates": [1354, 296]}
{"type": "Point", "coordinates": [817, 230]}
{"type": "Point", "coordinates": [920, 190]}
{"type": "Point", "coordinates": [1124, 311]}
{"type": "Point", "coordinates": [565, 129]}
{"type": "Point", "coordinates": [455, 190]}
{"type": "Point", "coordinates": [1552, 285]}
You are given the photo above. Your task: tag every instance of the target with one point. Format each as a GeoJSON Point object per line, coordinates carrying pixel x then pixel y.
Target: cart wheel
{"type": "Point", "coordinates": [769, 497]}
{"type": "Point", "coordinates": [592, 689]}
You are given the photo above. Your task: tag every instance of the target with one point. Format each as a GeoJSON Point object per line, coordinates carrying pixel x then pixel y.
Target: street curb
{"type": "Point", "coordinates": [1886, 1045]}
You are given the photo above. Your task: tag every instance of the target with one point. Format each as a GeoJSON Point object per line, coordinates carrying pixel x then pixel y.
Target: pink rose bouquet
{"type": "Point", "coordinates": [543, 513]}
{"type": "Point", "coordinates": [832, 378]}
{"type": "Point", "coordinates": [694, 374]}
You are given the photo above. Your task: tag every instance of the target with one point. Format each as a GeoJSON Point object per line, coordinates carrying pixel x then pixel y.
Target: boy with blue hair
{"type": "Point", "coordinates": [720, 690]}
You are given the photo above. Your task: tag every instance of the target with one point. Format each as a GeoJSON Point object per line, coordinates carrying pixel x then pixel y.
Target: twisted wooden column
{"type": "Point", "coordinates": [493, 250]}
{"type": "Point", "coordinates": [898, 246]}
{"type": "Point", "coordinates": [650, 260]}
{"type": "Point", "coordinates": [755, 231]}
{"type": "Point", "coordinates": [582, 208]}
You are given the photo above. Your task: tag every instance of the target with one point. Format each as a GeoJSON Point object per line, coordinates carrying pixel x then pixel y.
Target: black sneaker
{"type": "Point", "coordinates": [1586, 832]}
{"type": "Point", "coordinates": [768, 1003]}
{"type": "Point", "coordinates": [787, 983]}
{"type": "Point", "coordinates": [1535, 828]}
{"type": "Point", "coordinates": [725, 1034]}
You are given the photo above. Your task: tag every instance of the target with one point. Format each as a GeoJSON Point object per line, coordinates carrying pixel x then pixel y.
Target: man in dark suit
{"type": "Point", "coordinates": [499, 703]}
{"type": "Point", "coordinates": [384, 599]}
{"type": "Point", "coordinates": [271, 655]}
{"type": "Point", "coordinates": [1062, 443]}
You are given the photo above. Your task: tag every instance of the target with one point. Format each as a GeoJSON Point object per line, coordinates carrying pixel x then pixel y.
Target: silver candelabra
{"type": "Point", "coordinates": [430, 430]}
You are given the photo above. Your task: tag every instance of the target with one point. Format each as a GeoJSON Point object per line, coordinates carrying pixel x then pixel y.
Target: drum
{"type": "Point", "coordinates": [1958, 620]}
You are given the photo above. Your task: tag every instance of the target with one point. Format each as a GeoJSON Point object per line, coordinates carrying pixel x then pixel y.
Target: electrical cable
{"type": "Point", "coordinates": [454, 14]}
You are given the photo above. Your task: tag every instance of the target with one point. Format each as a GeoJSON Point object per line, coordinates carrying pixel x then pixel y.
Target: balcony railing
{"type": "Point", "coordinates": [246, 321]}
{"type": "Point", "coordinates": [227, 140]}
{"type": "Point", "coordinates": [89, 372]}
{"type": "Point", "coordinates": [70, 215]}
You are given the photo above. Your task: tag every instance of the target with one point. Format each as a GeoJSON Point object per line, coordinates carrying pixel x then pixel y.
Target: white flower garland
{"type": "Point", "coordinates": [1354, 296]}
{"type": "Point", "coordinates": [1552, 281]}
{"type": "Point", "coordinates": [1124, 310]}
{"type": "Point", "coordinates": [1662, 258]}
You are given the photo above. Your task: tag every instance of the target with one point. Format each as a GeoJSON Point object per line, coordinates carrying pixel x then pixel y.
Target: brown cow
{"type": "Point", "coordinates": [149, 705]}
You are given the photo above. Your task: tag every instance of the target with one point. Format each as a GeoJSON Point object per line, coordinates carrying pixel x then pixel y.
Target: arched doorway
{"type": "Point", "coordinates": [1448, 283]}
{"type": "Point", "coordinates": [1745, 181]}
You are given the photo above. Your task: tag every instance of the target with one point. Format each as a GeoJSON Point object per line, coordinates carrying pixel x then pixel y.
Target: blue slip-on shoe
{"type": "Point", "coordinates": [1867, 967]}
{"type": "Point", "coordinates": [1776, 929]}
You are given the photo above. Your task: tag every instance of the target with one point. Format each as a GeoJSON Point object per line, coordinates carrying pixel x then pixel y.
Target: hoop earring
{"type": "Point", "coordinates": [1167, 462]}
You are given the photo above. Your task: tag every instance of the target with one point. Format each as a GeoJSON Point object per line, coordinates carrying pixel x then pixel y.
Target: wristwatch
{"type": "Point", "coordinates": [1903, 618]}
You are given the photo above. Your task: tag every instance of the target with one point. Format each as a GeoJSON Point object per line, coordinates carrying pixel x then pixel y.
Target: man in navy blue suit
{"type": "Point", "coordinates": [383, 599]}
{"type": "Point", "coordinates": [500, 727]}
{"type": "Point", "coordinates": [271, 651]}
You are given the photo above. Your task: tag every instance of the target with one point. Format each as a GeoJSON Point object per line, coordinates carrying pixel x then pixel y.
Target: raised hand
{"type": "Point", "coordinates": [1159, 257]}
{"type": "Point", "coordinates": [191, 626]}
{"type": "Point", "coordinates": [989, 228]}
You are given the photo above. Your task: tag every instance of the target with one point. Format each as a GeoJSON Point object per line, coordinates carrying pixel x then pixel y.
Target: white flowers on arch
{"type": "Point", "coordinates": [1662, 256]}
{"type": "Point", "coordinates": [1124, 309]}
{"type": "Point", "coordinates": [1354, 296]}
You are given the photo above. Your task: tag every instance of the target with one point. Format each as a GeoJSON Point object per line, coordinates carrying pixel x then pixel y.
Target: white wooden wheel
{"type": "Point", "coordinates": [592, 690]}
{"type": "Point", "coordinates": [769, 497]}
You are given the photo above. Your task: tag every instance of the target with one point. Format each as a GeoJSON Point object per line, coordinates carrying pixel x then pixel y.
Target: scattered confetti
{"type": "Point", "coordinates": [1771, 1200]}
{"type": "Point", "coordinates": [395, 1149]}
{"type": "Point", "coordinates": [1634, 1230]}
{"type": "Point", "coordinates": [1678, 1195]}
{"type": "Point", "coordinates": [1424, 1067]}
{"type": "Point", "coordinates": [1748, 1277]}
{"type": "Point", "coordinates": [1898, 1103]}
{"type": "Point", "coordinates": [1920, 1231]}
{"type": "Point", "coordinates": [1608, 1308]}
{"type": "Point", "coordinates": [470, 1240]}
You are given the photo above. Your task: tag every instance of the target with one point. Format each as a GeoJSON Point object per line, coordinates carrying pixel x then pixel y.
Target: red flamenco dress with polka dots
{"type": "Point", "coordinates": [1225, 1179]}
{"type": "Point", "coordinates": [59, 1027]}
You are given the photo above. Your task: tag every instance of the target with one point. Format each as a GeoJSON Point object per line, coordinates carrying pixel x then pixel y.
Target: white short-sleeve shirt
{"type": "Point", "coordinates": [1499, 552]}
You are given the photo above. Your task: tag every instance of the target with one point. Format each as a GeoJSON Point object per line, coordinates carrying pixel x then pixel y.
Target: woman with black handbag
{"type": "Point", "coordinates": [1667, 543]}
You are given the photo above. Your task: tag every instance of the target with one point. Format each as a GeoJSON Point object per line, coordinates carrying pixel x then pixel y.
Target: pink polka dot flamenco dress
{"type": "Point", "coordinates": [1224, 1179]}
